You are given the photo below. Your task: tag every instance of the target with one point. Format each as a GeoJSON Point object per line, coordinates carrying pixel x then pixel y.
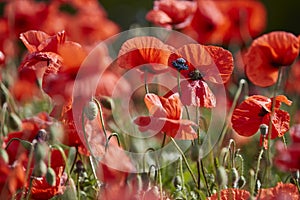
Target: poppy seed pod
{"type": "Point", "coordinates": [263, 129]}
{"type": "Point", "coordinates": [91, 110]}
{"type": "Point", "coordinates": [41, 136]}
{"type": "Point", "coordinates": [51, 176]}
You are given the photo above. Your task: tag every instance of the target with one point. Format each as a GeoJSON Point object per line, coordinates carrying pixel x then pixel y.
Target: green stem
{"type": "Point", "coordinates": [242, 83]}
{"type": "Point", "coordinates": [185, 161]}
{"type": "Point", "coordinates": [257, 170]}
{"type": "Point", "coordinates": [205, 180]}
{"type": "Point", "coordinates": [28, 170]}
{"type": "Point", "coordinates": [101, 118]}
{"type": "Point", "coordinates": [145, 82]}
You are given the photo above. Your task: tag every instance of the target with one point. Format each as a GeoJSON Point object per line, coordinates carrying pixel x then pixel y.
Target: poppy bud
{"type": "Point", "coordinates": [27, 145]}
{"type": "Point", "coordinates": [39, 169]}
{"type": "Point", "coordinates": [39, 151]}
{"type": "Point", "coordinates": [195, 152]}
{"type": "Point", "coordinates": [14, 121]}
{"type": "Point", "coordinates": [4, 155]}
{"type": "Point", "coordinates": [55, 133]}
{"type": "Point", "coordinates": [263, 129]}
{"type": "Point", "coordinates": [177, 182]}
{"type": "Point", "coordinates": [107, 102]}
{"type": "Point", "coordinates": [222, 178]}
{"type": "Point", "coordinates": [51, 176]}
{"type": "Point", "coordinates": [91, 110]}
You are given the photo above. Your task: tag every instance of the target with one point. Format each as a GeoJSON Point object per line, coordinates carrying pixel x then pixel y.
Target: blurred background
{"type": "Point", "coordinates": [282, 15]}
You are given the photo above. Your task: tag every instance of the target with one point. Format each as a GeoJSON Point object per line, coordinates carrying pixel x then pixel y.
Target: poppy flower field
{"type": "Point", "coordinates": [195, 99]}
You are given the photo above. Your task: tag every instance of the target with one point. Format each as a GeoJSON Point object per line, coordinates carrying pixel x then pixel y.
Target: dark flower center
{"type": "Point", "coordinates": [180, 64]}
{"type": "Point", "coordinates": [263, 112]}
{"type": "Point", "coordinates": [195, 75]}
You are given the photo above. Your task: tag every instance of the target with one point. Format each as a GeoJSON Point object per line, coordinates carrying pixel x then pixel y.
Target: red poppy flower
{"type": "Point", "coordinates": [201, 64]}
{"type": "Point", "coordinates": [231, 193]}
{"type": "Point", "coordinates": [167, 13]}
{"type": "Point", "coordinates": [145, 53]}
{"type": "Point", "coordinates": [165, 117]}
{"type": "Point", "coordinates": [267, 53]}
{"type": "Point", "coordinates": [280, 191]}
{"type": "Point", "coordinates": [256, 110]}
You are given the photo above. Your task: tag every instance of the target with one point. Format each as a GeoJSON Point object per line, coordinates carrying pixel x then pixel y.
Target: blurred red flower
{"type": "Point", "coordinates": [279, 192]}
{"type": "Point", "coordinates": [288, 158]}
{"type": "Point", "coordinates": [168, 13]}
{"type": "Point", "coordinates": [267, 53]}
{"type": "Point", "coordinates": [12, 178]}
{"type": "Point", "coordinates": [165, 117]}
{"type": "Point", "coordinates": [200, 64]}
{"type": "Point", "coordinates": [232, 194]}
{"type": "Point", "coordinates": [227, 22]}
{"type": "Point", "coordinates": [256, 110]}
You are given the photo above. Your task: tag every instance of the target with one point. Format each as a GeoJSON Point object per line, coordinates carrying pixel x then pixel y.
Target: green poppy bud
{"type": "Point", "coordinates": [39, 151]}
{"type": "Point", "coordinates": [39, 169]}
{"type": "Point", "coordinates": [91, 110]}
{"type": "Point", "coordinates": [51, 176]}
{"type": "Point", "coordinates": [234, 175]}
{"type": "Point", "coordinates": [195, 152]}
{"type": "Point", "coordinates": [14, 121]}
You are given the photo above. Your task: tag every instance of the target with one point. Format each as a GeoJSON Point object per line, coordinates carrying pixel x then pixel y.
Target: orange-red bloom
{"type": "Point", "coordinates": [256, 110]}
{"type": "Point", "coordinates": [168, 13]}
{"type": "Point", "coordinates": [267, 53]}
{"type": "Point", "coordinates": [145, 53]}
{"type": "Point", "coordinates": [200, 64]}
{"type": "Point", "coordinates": [279, 192]}
{"type": "Point", "coordinates": [232, 194]}
{"type": "Point", "coordinates": [165, 117]}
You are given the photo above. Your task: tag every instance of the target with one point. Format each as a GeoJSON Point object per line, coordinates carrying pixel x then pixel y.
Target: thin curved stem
{"type": "Point", "coordinates": [185, 161]}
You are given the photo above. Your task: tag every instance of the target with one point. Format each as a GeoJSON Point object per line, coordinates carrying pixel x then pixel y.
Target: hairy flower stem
{"type": "Point", "coordinates": [242, 84]}
{"type": "Point", "coordinates": [185, 161]}
{"type": "Point", "coordinates": [205, 180]}
{"type": "Point", "coordinates": [101, 120]}
{"type": "Point", "coordinates": [257, 170]}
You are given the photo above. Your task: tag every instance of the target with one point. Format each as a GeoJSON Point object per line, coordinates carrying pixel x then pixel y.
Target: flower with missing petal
{"type": "Point", "coordinates": [166, 114]}
{"type": "Point", "coordinates": [256, 110]}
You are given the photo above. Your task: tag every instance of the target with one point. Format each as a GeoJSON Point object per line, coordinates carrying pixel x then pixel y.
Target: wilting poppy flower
{"type": "Point", "coordinates": [168, 13]}
{"type": "Point", "coordinates": [145, 53]}
{"type": "Point", "coordinates": [165, 117]}
{"type": "Point", "coordinates": [200, 64]}
{"type": "Point", "coordinates": [256, 110]}
{"type": "Point", "coordinates": [267, 53]}
{"type": "Point", "coordinates": [280, 191]}
{"type": "Point", "coordinates": [231, 193]}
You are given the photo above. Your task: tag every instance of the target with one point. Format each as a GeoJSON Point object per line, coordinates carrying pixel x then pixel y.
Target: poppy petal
{"type": "Point", "coordinates": [197, 93]}
{"type": "Point", "coordinates": [280, 123]}
{"type": "Point", "coordinates": [248, 116]}
{"type": "Point", "coordinates": [269, 52]}
{"type": "Point", "coordinates": [145, 50]}
{"type": "Point", "coordinates": [32, 39]}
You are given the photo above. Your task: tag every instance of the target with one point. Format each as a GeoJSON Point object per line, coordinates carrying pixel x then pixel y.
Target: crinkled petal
{"type": "Point", "coordinates": [280, 123]}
